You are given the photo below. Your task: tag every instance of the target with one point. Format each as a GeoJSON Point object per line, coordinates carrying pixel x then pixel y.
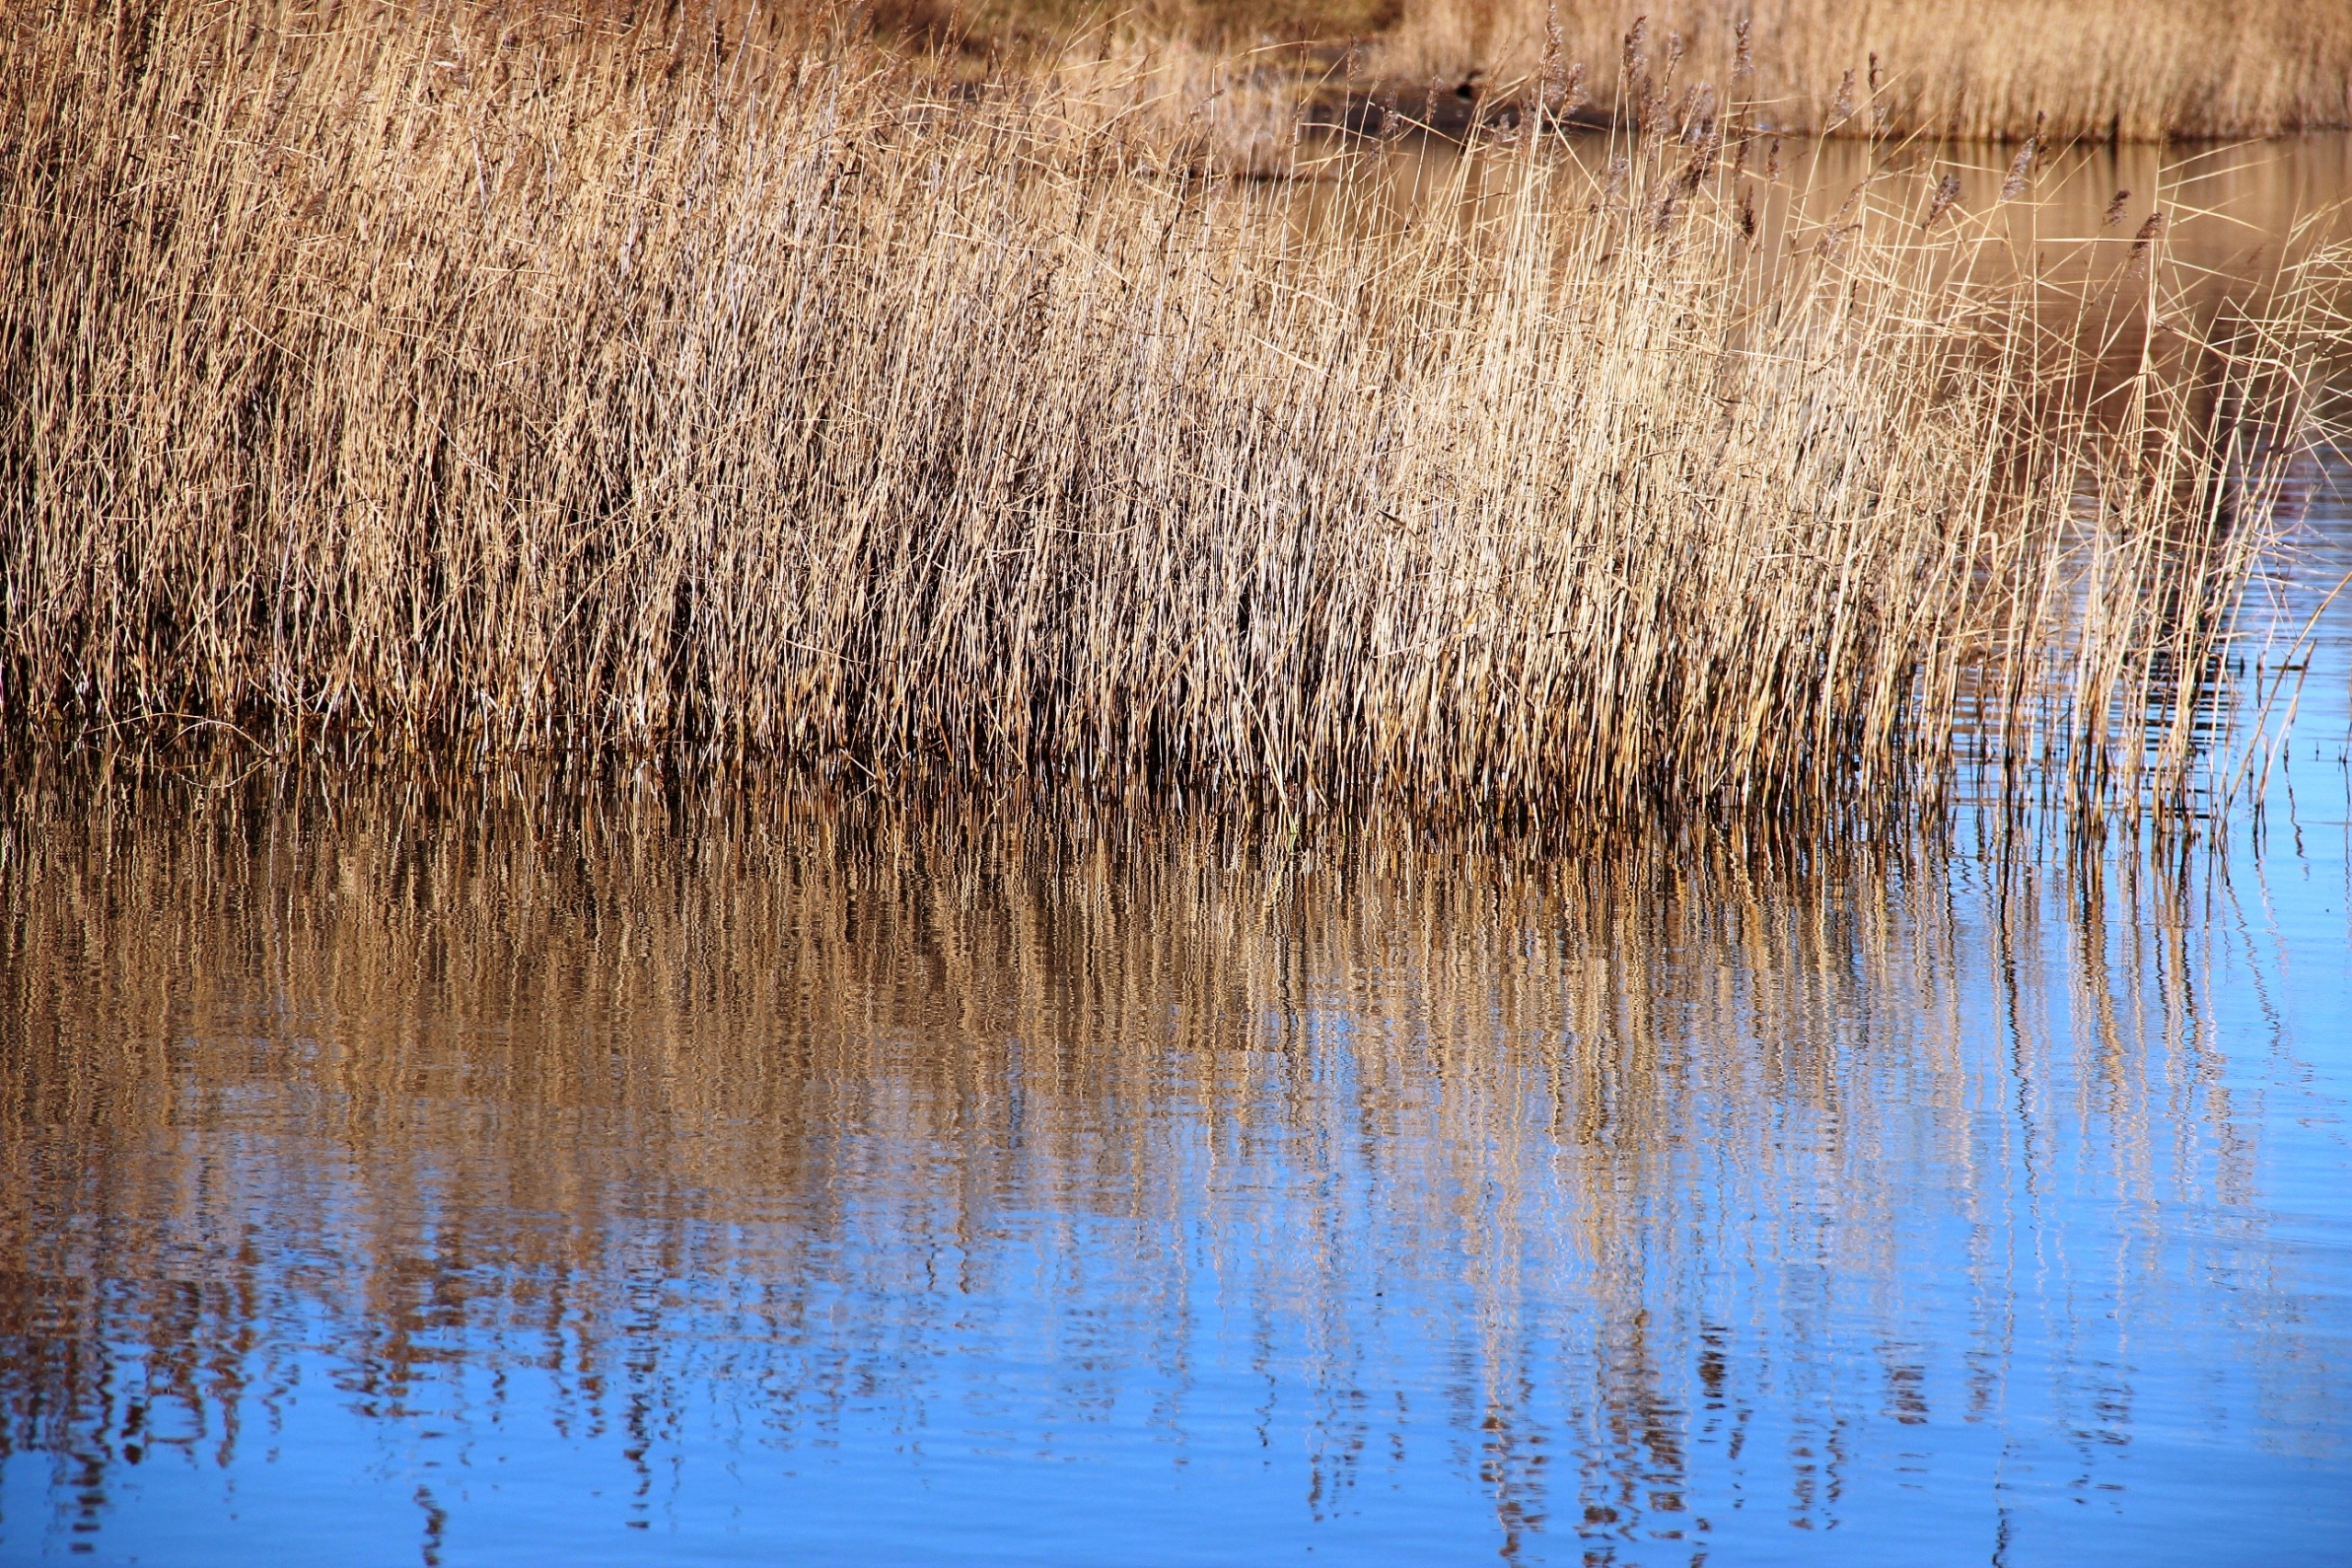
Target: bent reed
{"type": "Point", "coordinates": [398, 379]}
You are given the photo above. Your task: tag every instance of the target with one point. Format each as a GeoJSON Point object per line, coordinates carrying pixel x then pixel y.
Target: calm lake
{"type": "Point", "coordinates": [553, 1170]}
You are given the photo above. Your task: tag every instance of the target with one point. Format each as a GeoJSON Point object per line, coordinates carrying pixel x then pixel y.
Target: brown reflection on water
{"type": "Point", "coordinates": [1655, 1149]}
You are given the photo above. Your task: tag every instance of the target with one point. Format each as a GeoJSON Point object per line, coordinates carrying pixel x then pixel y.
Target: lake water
{"type": "Point", "coordinates": [557, 1170]}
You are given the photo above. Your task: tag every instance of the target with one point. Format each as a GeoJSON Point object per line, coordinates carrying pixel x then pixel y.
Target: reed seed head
{"type": "Point", "coordinates": [1947, 192]}
{"type": "Point", "coordinates": [2021, 168]}
{"type": "Point", "coordinates": [2143, 244]}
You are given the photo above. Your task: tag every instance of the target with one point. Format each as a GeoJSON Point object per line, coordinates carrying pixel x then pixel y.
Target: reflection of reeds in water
{"type": "Point", "coordinates": [654, 1092]}
{"type": "Point", "coordinates": [414, 384]}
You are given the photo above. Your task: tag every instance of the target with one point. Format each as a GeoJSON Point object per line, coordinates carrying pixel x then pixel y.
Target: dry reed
{"type": "Point", "coordinates": [403, 380]}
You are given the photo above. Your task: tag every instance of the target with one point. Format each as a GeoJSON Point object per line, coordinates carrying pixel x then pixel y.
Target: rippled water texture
{"type": "Point", "coordinates": [471, 1180]}
{"type": "Point", "coordinates": [564, 1171]}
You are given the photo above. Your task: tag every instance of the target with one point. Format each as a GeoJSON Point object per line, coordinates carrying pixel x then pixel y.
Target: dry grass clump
{"type": "Point", "coordinates": [403, 379]}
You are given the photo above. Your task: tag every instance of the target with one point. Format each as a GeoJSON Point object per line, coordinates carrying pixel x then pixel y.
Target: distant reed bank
{"type": "Point", "coordinates": [418, 379]}
{"type": "Point", "coordinates": [2126, 70]}
{"type": "Point", "coordinates": [2104, 70]}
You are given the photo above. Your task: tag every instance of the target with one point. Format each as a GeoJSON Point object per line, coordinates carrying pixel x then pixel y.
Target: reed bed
{"type": "Point", "coordinates": [400, 380]}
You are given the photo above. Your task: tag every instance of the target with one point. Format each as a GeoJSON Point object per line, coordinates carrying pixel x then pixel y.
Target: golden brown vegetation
{"type": "Point", "coordinates": [403, 379]}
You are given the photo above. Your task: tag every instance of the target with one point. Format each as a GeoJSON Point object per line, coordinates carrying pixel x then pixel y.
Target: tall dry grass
{"type": "Point", "coordinates": [402, 378]}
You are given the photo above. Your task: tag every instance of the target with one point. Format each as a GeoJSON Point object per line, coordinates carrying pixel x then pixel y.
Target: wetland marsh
{"type": "Point", "coordinates": [760, 803]}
